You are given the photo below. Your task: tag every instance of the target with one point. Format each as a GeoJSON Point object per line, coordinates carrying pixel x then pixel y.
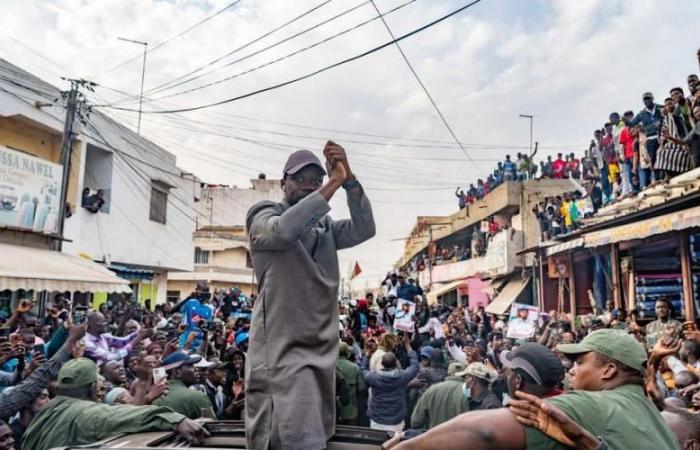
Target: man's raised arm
{"type": "Point", "coordinates": [476, 430]}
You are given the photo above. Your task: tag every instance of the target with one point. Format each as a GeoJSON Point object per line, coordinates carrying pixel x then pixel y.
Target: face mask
{"type": "Point", "coordinates": [467, 391]}
{"type": "Point", "coordinates": [506, 399]}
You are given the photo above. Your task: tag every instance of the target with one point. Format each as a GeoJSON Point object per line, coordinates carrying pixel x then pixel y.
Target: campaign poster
{"type": "Point", "coordinates": [523, 321]}
{"type": "Point", "coordinates": [403, 320]}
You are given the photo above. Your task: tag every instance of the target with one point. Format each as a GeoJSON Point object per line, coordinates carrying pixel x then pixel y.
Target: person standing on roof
{"type": "Point", "coordinates": [290, 372]}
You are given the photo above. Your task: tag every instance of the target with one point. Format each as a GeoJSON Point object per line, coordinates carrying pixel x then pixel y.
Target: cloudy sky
{"type": "Point", "coordinates": [568, 63]}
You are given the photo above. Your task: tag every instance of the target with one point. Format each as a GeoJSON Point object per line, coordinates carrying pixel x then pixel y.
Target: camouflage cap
{"type": "Point", "coordinates": [343, 349]}
{"type": "Point", "coordinates": [479, 370]}
{"type": "Point", "coordinates": [453, 368]}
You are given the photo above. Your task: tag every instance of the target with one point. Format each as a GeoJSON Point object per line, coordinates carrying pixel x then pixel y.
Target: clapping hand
{"type": "Point", "coordinates": [336, 162]}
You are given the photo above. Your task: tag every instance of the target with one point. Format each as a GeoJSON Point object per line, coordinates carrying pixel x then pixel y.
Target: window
{"type": "Point", "coordinates": [159, 202]}
{"type": "Point", "coordinates": [201, 256]}
{"type": "Point", "coordinates": [172, 296]}
{"type": "Point", "coordinates": [97, 185]}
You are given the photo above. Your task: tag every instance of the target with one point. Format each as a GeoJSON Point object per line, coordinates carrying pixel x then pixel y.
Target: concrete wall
{"type": "Point", "coordinates": [233, 258]}
{"type": "Point", "coordinates": [500, 259]}
{"type": "Point", "coordinates": [125, 234]}
{"type": "Point", "coordinates": [513, 200]}
{"type": "Point", "coordinates": [223, 206]}
{"type": "Point", "coordinates": [507, 195]}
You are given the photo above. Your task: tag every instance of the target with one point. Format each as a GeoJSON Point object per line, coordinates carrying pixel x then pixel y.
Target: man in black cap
{"type": "Point", "coordinates": [181, 375]}
{"type": "Point", "coordinates": [290, 372]}
{"type": "Point", "coordinates": [608, 400]}
{"type": "Point", "coordinates": [533, 369]}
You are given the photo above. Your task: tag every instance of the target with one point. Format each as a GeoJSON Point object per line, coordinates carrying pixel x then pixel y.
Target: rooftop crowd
{"type": "Point", "coordinates": [628, 154]}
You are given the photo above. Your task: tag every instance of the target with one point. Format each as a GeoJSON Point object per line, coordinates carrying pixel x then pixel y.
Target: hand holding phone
{"type": "Point", "coordinates": [159, 374]}
{"type": "Point", "coordinates": [79, 315]}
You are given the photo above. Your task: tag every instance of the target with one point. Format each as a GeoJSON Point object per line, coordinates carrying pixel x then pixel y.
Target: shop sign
{"type": "Point", "coordinates": [638, 230]}
{"type": "Point", "coordinates": [30, 190]}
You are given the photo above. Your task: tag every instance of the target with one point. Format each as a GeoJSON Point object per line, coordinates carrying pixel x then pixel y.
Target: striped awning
{"type": "Point", "coordinates": [47, 270]}
{"type": "Point", "coordinates": [131, 273]}
{"type": "Point", "coordinates": [507, 296]}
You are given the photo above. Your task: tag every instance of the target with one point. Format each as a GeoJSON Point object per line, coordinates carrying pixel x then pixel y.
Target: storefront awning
{"type": "Point", "coordinates": [508, 295]}
{"type": "Point", "coordinates": [680, 220]}
{"type": "Point", "coordinates": [433, 295]}
{"type": "Point", "coordinates": [222, 277]}
{"type": "Point", "coordinates": [47, 270]}
{"type": "Point", "coordinates": [131, 273]}
{"type": "Point", "coordinates": [564, 246]}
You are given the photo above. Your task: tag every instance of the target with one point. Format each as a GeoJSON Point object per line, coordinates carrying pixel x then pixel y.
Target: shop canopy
{"type": "Point", "coordinates": [47, 270]}
{"type": "Point", "coordinates": [507, 296]}
{"type": "Point", "coordinates": [222, 277]}
{"type": "Point", "coordinates": [564, 246]}
{"type": "Point", "coordinates": [433, 295]}
{"type": "Point", "coordinates": [131, 273]}
{"type": "Point", "coordinates": [680, 220]}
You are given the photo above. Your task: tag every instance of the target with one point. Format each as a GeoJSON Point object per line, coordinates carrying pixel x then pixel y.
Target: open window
{"type": "Point", "coordinates": [97, 184]}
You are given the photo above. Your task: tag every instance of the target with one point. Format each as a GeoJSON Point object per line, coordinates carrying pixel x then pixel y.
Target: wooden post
{"type": "Point", "coordinates": [572, 291]}
{"type": "Point", "coordinates": [687, 277]}
{"type": "Point", "coordinates": [615, 269]}
{"type": "Point", "coordinates": [540, 286]}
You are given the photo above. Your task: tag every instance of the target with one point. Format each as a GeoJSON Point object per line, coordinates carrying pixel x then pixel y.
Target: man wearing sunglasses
{"type": "Point", "coordinates": [290, 372]}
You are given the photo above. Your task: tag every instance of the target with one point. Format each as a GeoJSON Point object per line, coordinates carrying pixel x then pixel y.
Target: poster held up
{"type": "Point", "coordinates": [522, 321]}
{"type": "Point", "coordinates": [403, 320]}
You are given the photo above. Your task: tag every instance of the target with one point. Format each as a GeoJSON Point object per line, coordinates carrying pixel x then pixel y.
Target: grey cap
{"type": "Point", "coordinates": [300, 159]}
{"type": "Point", "coordinates": [647, 95]}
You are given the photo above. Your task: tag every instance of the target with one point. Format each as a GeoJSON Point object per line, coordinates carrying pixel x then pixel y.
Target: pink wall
{"type": "Point", "coordinates": [476, 293]}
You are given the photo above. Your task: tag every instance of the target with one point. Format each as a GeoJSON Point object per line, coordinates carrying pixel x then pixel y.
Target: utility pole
{"type": "Point", "coordinates": [74, 100]}
{"type": "Point", "coordinates": [531, 117]}
{"type": "Point", "coordinates": [143, 76]}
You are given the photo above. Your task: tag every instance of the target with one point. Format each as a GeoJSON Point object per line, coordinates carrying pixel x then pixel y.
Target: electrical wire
{"type": "Point", "coordinates": [281, 58]}
{"type": "Point", "coordinates": [425, 89]}
{"type": "Point", "coordinates": [308, 75]}
{"type": "Point", "coordinates": [182, 33]}
{"type": "Point", "coordinates": [439, 143]}
{"type": "Point", "coordinates": [169, 85]}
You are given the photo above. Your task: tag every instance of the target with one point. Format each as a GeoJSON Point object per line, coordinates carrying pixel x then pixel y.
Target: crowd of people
{"type": "Point", "coordinates": [476, 245]}
{"type": "Point", "coordinates": [629, 153]}
{"type": "Point", "coordinates": [134, 368]}
{"type": "Point", "coordinates": [523, 168]}
{"type": "Point", "coordinates": [564, 213]}
{"type": "Point", "coordinates": [461, 360]}
{"type": "Point", "coordinates": [76, 375]}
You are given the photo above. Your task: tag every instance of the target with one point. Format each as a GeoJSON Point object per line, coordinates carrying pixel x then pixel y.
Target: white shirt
{"type": "Point", "coordinates": [433, 325]}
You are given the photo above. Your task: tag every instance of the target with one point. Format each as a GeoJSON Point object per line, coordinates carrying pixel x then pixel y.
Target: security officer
{"type": "Point", "coordinates": [74, 418]}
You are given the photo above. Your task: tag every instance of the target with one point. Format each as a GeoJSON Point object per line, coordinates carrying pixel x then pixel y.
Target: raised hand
{"type": "Point", "coordinates": [337, 164]}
